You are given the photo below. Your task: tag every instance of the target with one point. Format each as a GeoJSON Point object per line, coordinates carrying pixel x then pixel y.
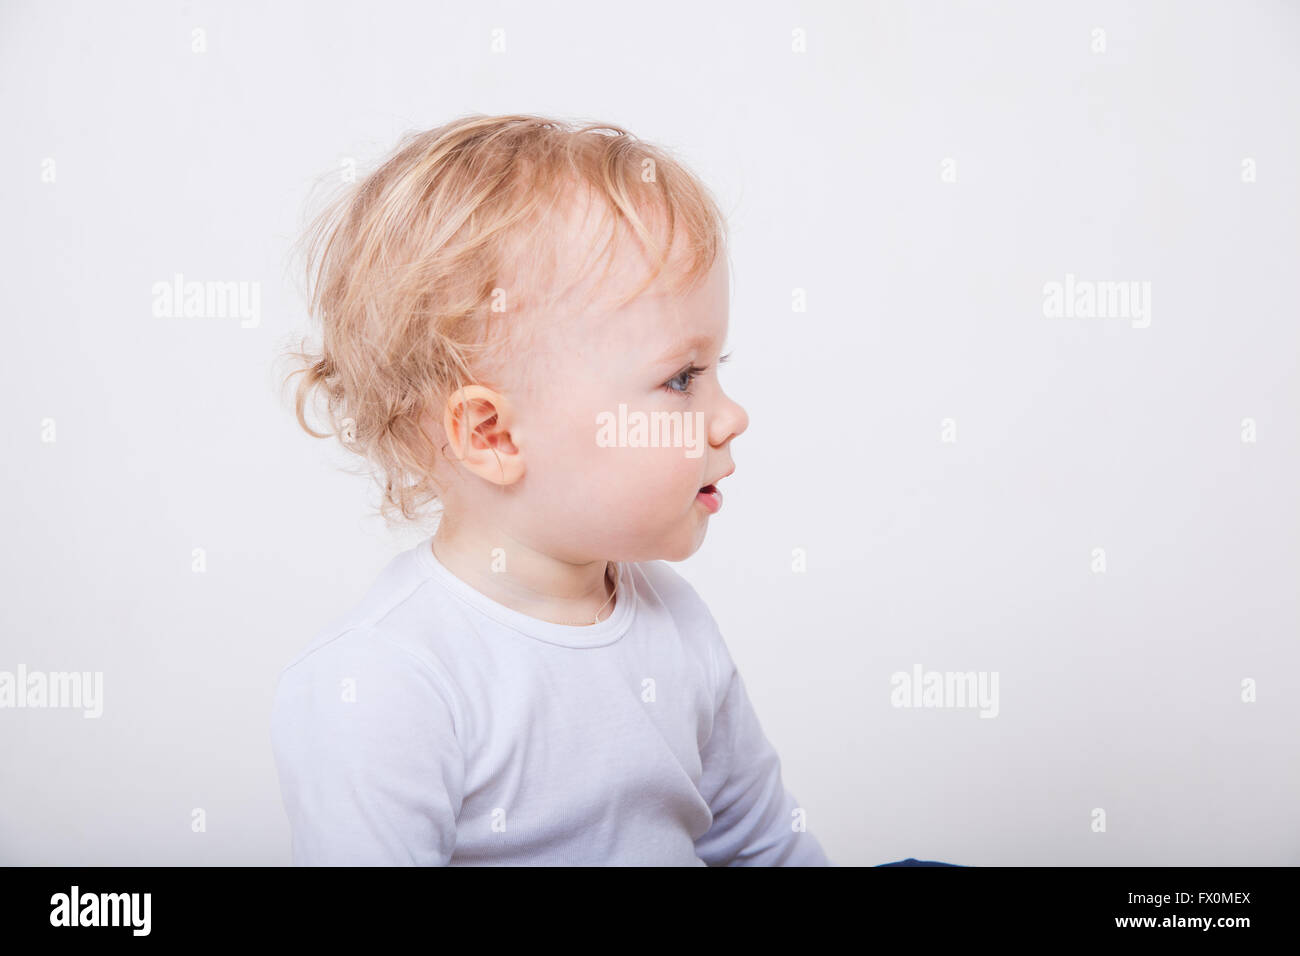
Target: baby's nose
{"type": "Point", "coordinates": [730, 421]}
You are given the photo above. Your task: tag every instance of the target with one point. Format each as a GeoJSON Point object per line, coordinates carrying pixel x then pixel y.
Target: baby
{"type": "Point", "coordinates": [533, 684]}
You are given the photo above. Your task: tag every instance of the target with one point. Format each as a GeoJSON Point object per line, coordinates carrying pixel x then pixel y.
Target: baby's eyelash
{"type": "Point", "coordinates": [691, 372]}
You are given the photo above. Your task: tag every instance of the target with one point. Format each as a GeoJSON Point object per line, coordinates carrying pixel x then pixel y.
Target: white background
{"type": "Point", "coordinates": [1118, 690]}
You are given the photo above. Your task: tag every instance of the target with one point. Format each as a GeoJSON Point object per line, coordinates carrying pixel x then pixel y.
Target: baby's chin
{"type": "Point", "coordinates": [683, 553]}
{"type": "Point", "coordinates": [678, 547]}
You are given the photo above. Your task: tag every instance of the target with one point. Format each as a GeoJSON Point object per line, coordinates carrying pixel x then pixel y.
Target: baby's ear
{"type": "Point", "coordinates": [477, 421]}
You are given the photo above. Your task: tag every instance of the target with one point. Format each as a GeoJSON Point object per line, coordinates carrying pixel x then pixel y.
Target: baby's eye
{"type": "Point", "coordinates": [684, 378]}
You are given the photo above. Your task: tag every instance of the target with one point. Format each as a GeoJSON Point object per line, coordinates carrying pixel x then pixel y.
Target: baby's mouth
{"type": "Point", "coordinates": [710, 498]}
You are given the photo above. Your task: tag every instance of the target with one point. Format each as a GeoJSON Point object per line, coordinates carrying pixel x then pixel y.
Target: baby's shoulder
{"type": "Point", "coordinates": [667, 590]}
{"type": "Point", "coordinates": [367, 653]}
{"type": "Point", "coordinates": [392, 627]}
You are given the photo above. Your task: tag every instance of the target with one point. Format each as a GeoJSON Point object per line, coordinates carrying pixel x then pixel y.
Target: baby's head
{"type": "Point", "coordinates": [475, 356]}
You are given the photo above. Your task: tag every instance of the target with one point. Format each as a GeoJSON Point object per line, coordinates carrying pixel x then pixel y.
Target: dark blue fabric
{"type": "Point", "coordinates": [911, 862]}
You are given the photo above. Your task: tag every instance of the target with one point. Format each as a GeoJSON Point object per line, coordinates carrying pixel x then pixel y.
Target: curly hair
{"type": "Point", "coordinates": [408, 271]}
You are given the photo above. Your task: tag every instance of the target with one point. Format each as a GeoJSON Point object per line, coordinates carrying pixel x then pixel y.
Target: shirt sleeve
{"type": "Point", "coordinates": [371, 773]}
{"type": "Point", "coordinates": [756, 821]}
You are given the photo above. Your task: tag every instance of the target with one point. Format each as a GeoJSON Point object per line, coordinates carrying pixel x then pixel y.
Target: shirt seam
{"type": "Point", "coordinates": [444, 684]}
{"type": "Point", "coordinates": [458, 709]}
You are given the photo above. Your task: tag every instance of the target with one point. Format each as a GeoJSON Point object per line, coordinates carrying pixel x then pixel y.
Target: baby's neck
{"type": "Point", "coordinates": [525, 579]}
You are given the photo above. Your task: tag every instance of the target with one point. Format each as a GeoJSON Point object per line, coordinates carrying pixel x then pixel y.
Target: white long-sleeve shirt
{"type": "Point", "coordinates": [433, 726]}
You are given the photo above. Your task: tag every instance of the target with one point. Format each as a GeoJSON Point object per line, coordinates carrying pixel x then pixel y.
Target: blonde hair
{"type": "Point", "coordinates": [407, 269]}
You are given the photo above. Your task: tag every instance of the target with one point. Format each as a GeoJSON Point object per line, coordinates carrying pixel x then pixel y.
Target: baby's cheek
{"type": "Point", "coordinates": [604, 474]}
{"type": "Point", "coordinates": [665, 477]}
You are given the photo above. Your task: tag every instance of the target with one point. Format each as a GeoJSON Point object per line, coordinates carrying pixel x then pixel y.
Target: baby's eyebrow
{"type": "Point", "coordinates": [681, 348]}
